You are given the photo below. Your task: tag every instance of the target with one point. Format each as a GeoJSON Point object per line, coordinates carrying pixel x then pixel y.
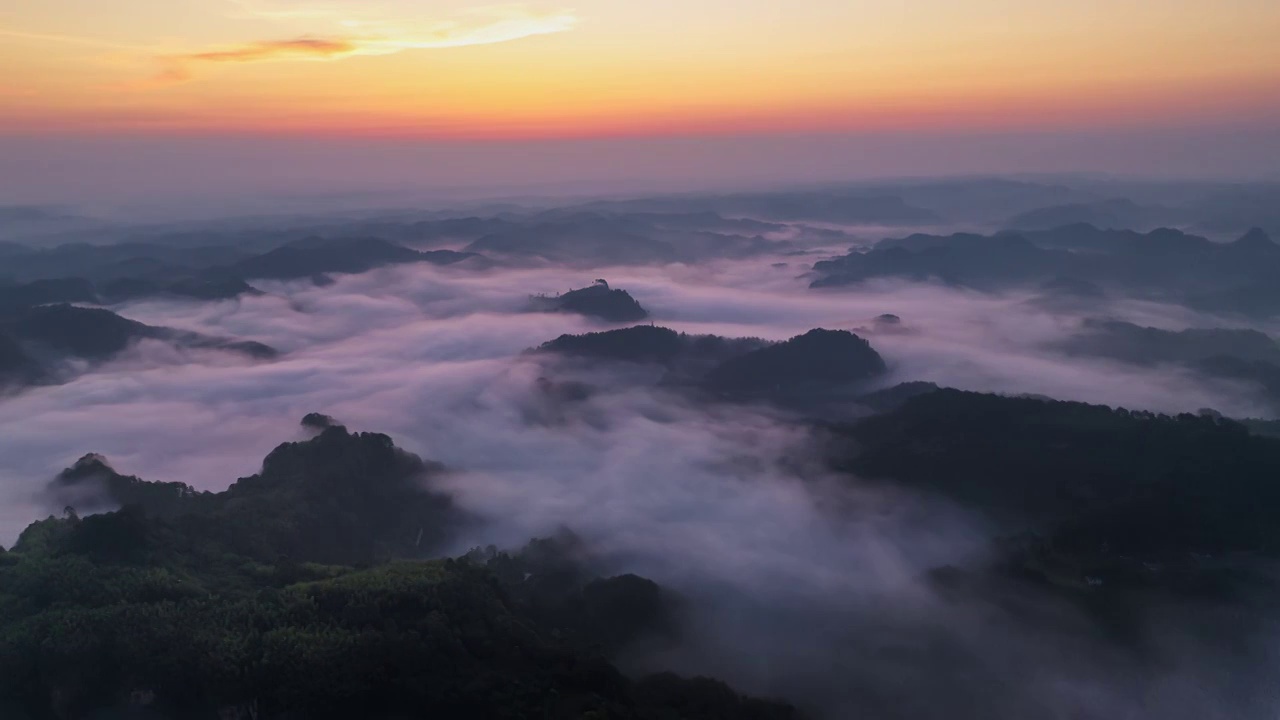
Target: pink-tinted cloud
{"type": "Point", "coordinates": [271, 49]}
{"type": "Point", "coordinates": [496, 25]}
{"type": "Point", "coordinates": [177, 68]}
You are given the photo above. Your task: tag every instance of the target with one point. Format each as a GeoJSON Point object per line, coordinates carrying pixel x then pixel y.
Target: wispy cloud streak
{"type": "Point", "coordinates": [478, 27]}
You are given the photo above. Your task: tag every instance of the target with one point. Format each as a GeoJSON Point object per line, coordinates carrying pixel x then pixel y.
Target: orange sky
{"type": "Point", "coordinates": [447, 69]}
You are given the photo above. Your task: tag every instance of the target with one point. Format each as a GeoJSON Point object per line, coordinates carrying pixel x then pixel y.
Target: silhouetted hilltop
{"type": "Point", "coordinates": [1147, 345]}
{"type": "Point", "coordinates": [642, 343]}
{"type": "Point", "coordinates": [35, 340]}
{"type": "Point", "coordinates": [885, 324]}
{"type": "Point", "coordinates": [919, 242]}
{"type": "Point", "coordinates": [690, 355]}
{"type": "Point", "coordinates": [891, 398]}
{"type": "Point", "coordinates": [189, 604]}
{"type": "Point", "coordinates": [505, 232]}
{"type": "Point", "coordinates": [100, 263]}
{"type": "Point", "coordinates": [1163, 264]}
{"type": "Point", "coordinates": [1256, 242]}
{"type": "Point", "coordinates": [339, 497]}
{"type": "Point", "coordinates": [133, 270]}
{"type": "Point", "coordinates": [318, 421]}
{"type": "Point", "coordinates": [91, 485]}
{"type": "Point", "coordinates": [834, 206]}
{"type": "Point", "coordinates": [455, 228]}
{"type": "Point", "coordinates": [34, 221]}
{"type": "Point", "coordinates": [210, 286]}
{"type": "Point", "coordinates": [1157, 242]}
{"type": "Point", "coordinates": [800, 370]}
{"type": "Point", "coordinates": [1120, 213]}
{"type": "Point", "coordinates": [593, 238]}
{"type": "Point", "coordinates": [80, 290]}
{"type": "Point", "coordinates": [315, 255]}
{"type": "Point", "coordinates": [870, 206]}
{"type": "Point", "coordinates": [251, 348]}
{"type": "Point", "coordinates": [597, 300]}
{"type": "Point", "coordinates": [90, 333]}
{"type": "Point", "coordinates": [578, 238]}
{"type": "Point", "coordinates": [1107, 489]}
{"type": "Point", "coordinates": [963, 259]}
{"type": "Point", "coordinates": [819, 359]}
{"type": "Point", "coordinates": [1234, 208]}
{"type": "Point", "coordinates": [97, 334]}
{"type": "Point", "coordinates": [43, 292]}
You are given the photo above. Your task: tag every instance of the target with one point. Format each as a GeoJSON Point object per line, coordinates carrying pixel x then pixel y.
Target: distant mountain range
{"type": "Point", "coordinates": [1236, 277]}
{"type": "Point", "coordinates": [1117, 213]}
{"type": "Point", "coordinates": [118, 273]}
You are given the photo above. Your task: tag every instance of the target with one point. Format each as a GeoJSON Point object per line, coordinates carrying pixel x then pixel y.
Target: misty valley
{"type": "Point", "coordinates": [955, 448]}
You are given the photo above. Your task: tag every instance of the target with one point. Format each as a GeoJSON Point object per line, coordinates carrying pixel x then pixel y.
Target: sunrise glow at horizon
{"type": "Point", "coordinates": [601, 68]}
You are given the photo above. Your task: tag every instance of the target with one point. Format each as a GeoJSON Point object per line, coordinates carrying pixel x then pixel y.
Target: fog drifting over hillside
{"type": "Point", "coordinates": [430, 356]}
{"type": "Point", "coordinates": [797, 582]}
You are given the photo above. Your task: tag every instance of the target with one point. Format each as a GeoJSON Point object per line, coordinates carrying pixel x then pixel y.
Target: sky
{"type": "Point", "coordinates": [445, 73]}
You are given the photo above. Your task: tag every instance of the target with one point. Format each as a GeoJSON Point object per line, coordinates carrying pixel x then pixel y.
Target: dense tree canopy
{"type": "Point", "coordinates": [295, 594]}
{"type": "Point", "coordinates": [1112, 490]}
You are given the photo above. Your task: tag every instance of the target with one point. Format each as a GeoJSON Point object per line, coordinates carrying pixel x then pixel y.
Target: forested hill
{"type": "Point", "coordinates": [297, 593]}
{"type": "Point", "coordinates": [314, 588]}
{"type": "Point", "coordinates": [1112, 493]}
